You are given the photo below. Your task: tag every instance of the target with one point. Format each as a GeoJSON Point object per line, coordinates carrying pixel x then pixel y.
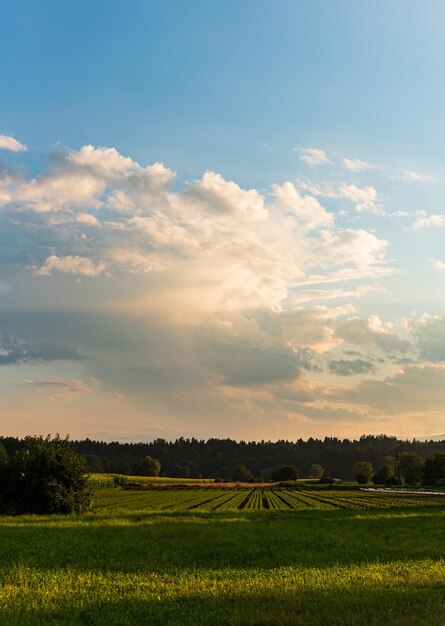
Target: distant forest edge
{"type": "Point", "coordinates": [220, 458]}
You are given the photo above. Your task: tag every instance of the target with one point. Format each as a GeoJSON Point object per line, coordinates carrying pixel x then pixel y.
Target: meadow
{"type": "Point", "coordinates": [192, 556]}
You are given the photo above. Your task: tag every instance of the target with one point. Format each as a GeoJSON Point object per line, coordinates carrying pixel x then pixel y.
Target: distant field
{"type": "Point", "coordinates": [175, 557]}
{"type": "Point", "coordinates": [242, 498]}
{"type": "Point", "coordinates": [98, 481]}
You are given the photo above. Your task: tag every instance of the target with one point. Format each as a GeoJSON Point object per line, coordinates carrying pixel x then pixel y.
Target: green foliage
{"type": "Point", "coordinates": [392, 481]}
{"type": "Point", "coordinates": [120, 481]}
{"type": "Point", "coordinates": [316, 470]}
{"type": "Point", "coordinates": [411, 467]}
{"type": "Point", "coordinates": [125, 564]}
{"type": "Point", "coordinates": [180, 471]}
{"type": "Point", "coordinates": [284, 472]}
{"type": "Point", "coordinates": [382, 476]}
{"type": "Point", "coordinates": [433, 472]}
{"type": "Point", "coordinates": [46, 475]}
{"type": "Point", "coordinates": [3, 456]}
{"type": "Point", "coordinates": [266, 474]}
{"type": "Point", "coordinates": [363, 472]}
{"type": "Point", "coordinates": [240, 473]}
{"type": "Point", "coordinates": [148, 467]}
{"type": "Point", "coordinates": [96, 463]}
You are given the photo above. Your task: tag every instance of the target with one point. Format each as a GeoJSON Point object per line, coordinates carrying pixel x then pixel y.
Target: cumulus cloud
{"type": "Point", "coordinates": [301, 390]}
{"type": "Point", "coordinates": [220, 197]}
{"type": "Point", "coordinates": [70, 265]}
{"type": "Point", "coordinates": [371, 332]}
{"type": "Point", "coordinates": [307, 209]}
{"type": "Point", "coordinates": [361, 247]}
{"type": "Point", "coordinates": [428, 221]}
{"type": "Point", "coordinates": [356, 165]}
{"type": "Point", "coordinates": [414, 388]}
{"type": "Point", "coordinates": [193, 295]}
{"type": "Point", "coordinates": [313, 156]}
{"type": "Point", "coordinates": [102, 211]}
{"type": "Point", "coordinates": [325, 190]}
{"type": "Point", "coordinates": [364, 198]}
{"type": "Point", "coordinates": [429, 332]}
{"type": "Point", "coordinates": [105, 162]}
{"type": "Point", "coordinates": [9, 143]}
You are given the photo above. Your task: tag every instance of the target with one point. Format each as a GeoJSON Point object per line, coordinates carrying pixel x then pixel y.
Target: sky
{"type": "Point", "coordinates": [222, 219]}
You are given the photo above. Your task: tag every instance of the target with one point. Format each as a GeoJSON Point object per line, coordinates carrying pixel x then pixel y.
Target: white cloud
{"type": "Point", "coordinates": [414, 388]}
{"type": "Point", "coordinates": [137, 262]}
{"type": "Point", "coordinates": [220, 197]}
{"type": "Point", "coordinates": [308, 210]}
{"type": "Point", "coordinates": [428, 221]}
{"type": "Point", "coordinates": [87, 219]}
{"type": "Point", "coordinates": [372, 333]}
{"type": "Point", "coordinates": [438, 265]}
{"type": "Point", "coordinates": [222, 246]}
{"type": "Point", "coordinates": [360, 247]}
{"type": "Point", "coordinates": [356, 165]}
{"type": "Point", "coordinates": [417, 178]}
{"type": "Point", "coordinates": [364, 198]}
{"type": "Point", "coordinates": [325, 190]}
{"type": "Point", "coordinates": [70, 265]}
{"type": "Point", "coordinates": [105, 162]}
{"type": "Point", "coordinates": [9, 143]}
{"type": "Point", "coordinates": [429, 331]}
{"type": "Point", "coordinates": [313, 156]}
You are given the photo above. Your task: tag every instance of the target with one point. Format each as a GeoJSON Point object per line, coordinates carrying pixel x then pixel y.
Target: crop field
{"type": "Point", "coordinates": [210, 556]}
{"type": "Point", "coordinates": [213, 499]}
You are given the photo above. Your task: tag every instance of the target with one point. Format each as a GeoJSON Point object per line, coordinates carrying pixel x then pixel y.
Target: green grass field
{"type": "Point", "coordinates": [160, 557]}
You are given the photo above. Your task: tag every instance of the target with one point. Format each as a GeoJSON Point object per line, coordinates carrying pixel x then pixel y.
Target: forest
{"type": "Point", "coordinates": [221, 458]}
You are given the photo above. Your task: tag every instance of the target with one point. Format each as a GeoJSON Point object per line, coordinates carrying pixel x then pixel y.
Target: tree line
{"type": "Point", "coordinates": [240, 460]}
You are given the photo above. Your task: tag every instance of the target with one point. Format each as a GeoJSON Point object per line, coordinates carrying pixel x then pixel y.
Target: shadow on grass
{"type": "Point", "coordinates": [171, 542]}
{"type": "Point", "coordinates": [373, 607]}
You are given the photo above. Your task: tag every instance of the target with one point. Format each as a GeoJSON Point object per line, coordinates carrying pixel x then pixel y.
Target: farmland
{"type": "Point", "coordinates": [204, 498]}
{"type": "Point", "coordinates": [209, 555]}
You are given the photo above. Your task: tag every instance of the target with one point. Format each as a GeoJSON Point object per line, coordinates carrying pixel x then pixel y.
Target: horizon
{"type": "Point", "coordinates": [222, 221]}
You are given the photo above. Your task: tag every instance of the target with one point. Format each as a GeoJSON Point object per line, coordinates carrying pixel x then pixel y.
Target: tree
{"type": "Point", "coordinates": [3, 456]}
{"type": "Point", "coordinates": [284, 472]}
{"type": "Point", "coordinates": [433, 472]}
{"type": "Point", "coordinates": [150, 467]}
{"type": "Point", "coordinates": [180, 471]}
{"type": "Point", "coordinates": [45, 475]}
{"type": "Point", "coordinates": [316, 470]}
{"type": "Point", "coordinates": [266, 474]}
{"type": "Point", "coordinates": [363, 472]}
{"type": "Point", "coordinates": [241, 474]}
{"type": "Point", "coordinates": [385, 472]}
{"type": "Point", "coordinates": [411, 467]}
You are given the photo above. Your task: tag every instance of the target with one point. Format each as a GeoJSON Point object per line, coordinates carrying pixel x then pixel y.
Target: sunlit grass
{"type": "Point", "coordinates": [125, 565]}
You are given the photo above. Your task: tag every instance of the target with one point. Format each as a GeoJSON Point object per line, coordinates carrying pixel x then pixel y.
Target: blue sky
{"type": "Point", "coordinates": [222, 218]}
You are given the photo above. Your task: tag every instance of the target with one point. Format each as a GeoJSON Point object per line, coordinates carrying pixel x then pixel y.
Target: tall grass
{"type": "Point", "coordinates": [127, 564]}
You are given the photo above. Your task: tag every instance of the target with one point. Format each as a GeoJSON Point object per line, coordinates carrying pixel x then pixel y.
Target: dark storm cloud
{"type": "Point", "coordinates": [344, 367]}
{"type": "Point", "coordinates": [14, 351]}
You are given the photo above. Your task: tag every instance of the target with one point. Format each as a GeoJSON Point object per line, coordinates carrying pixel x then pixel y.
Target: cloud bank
{"type": "Point", "coordinates": [199, 307]}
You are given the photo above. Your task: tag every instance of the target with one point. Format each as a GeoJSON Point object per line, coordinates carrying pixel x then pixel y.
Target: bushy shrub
{"type": "Point", "coordinates": [316, 470]}
{"type": "Point", "coordinates": [120, 481]}
{"type": "Point", "coordinates": [46, 475]}
{"type": "Point", "coordinates": [385, 472]}
{"type": "Point", "coordinates": [284, 473]}
{"type": "Point", "coordinates": [363, 472]}
{"type": "Point", "coordinates": [147, 467]}
{"type": "Point", "coordinates": [241, 473]}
